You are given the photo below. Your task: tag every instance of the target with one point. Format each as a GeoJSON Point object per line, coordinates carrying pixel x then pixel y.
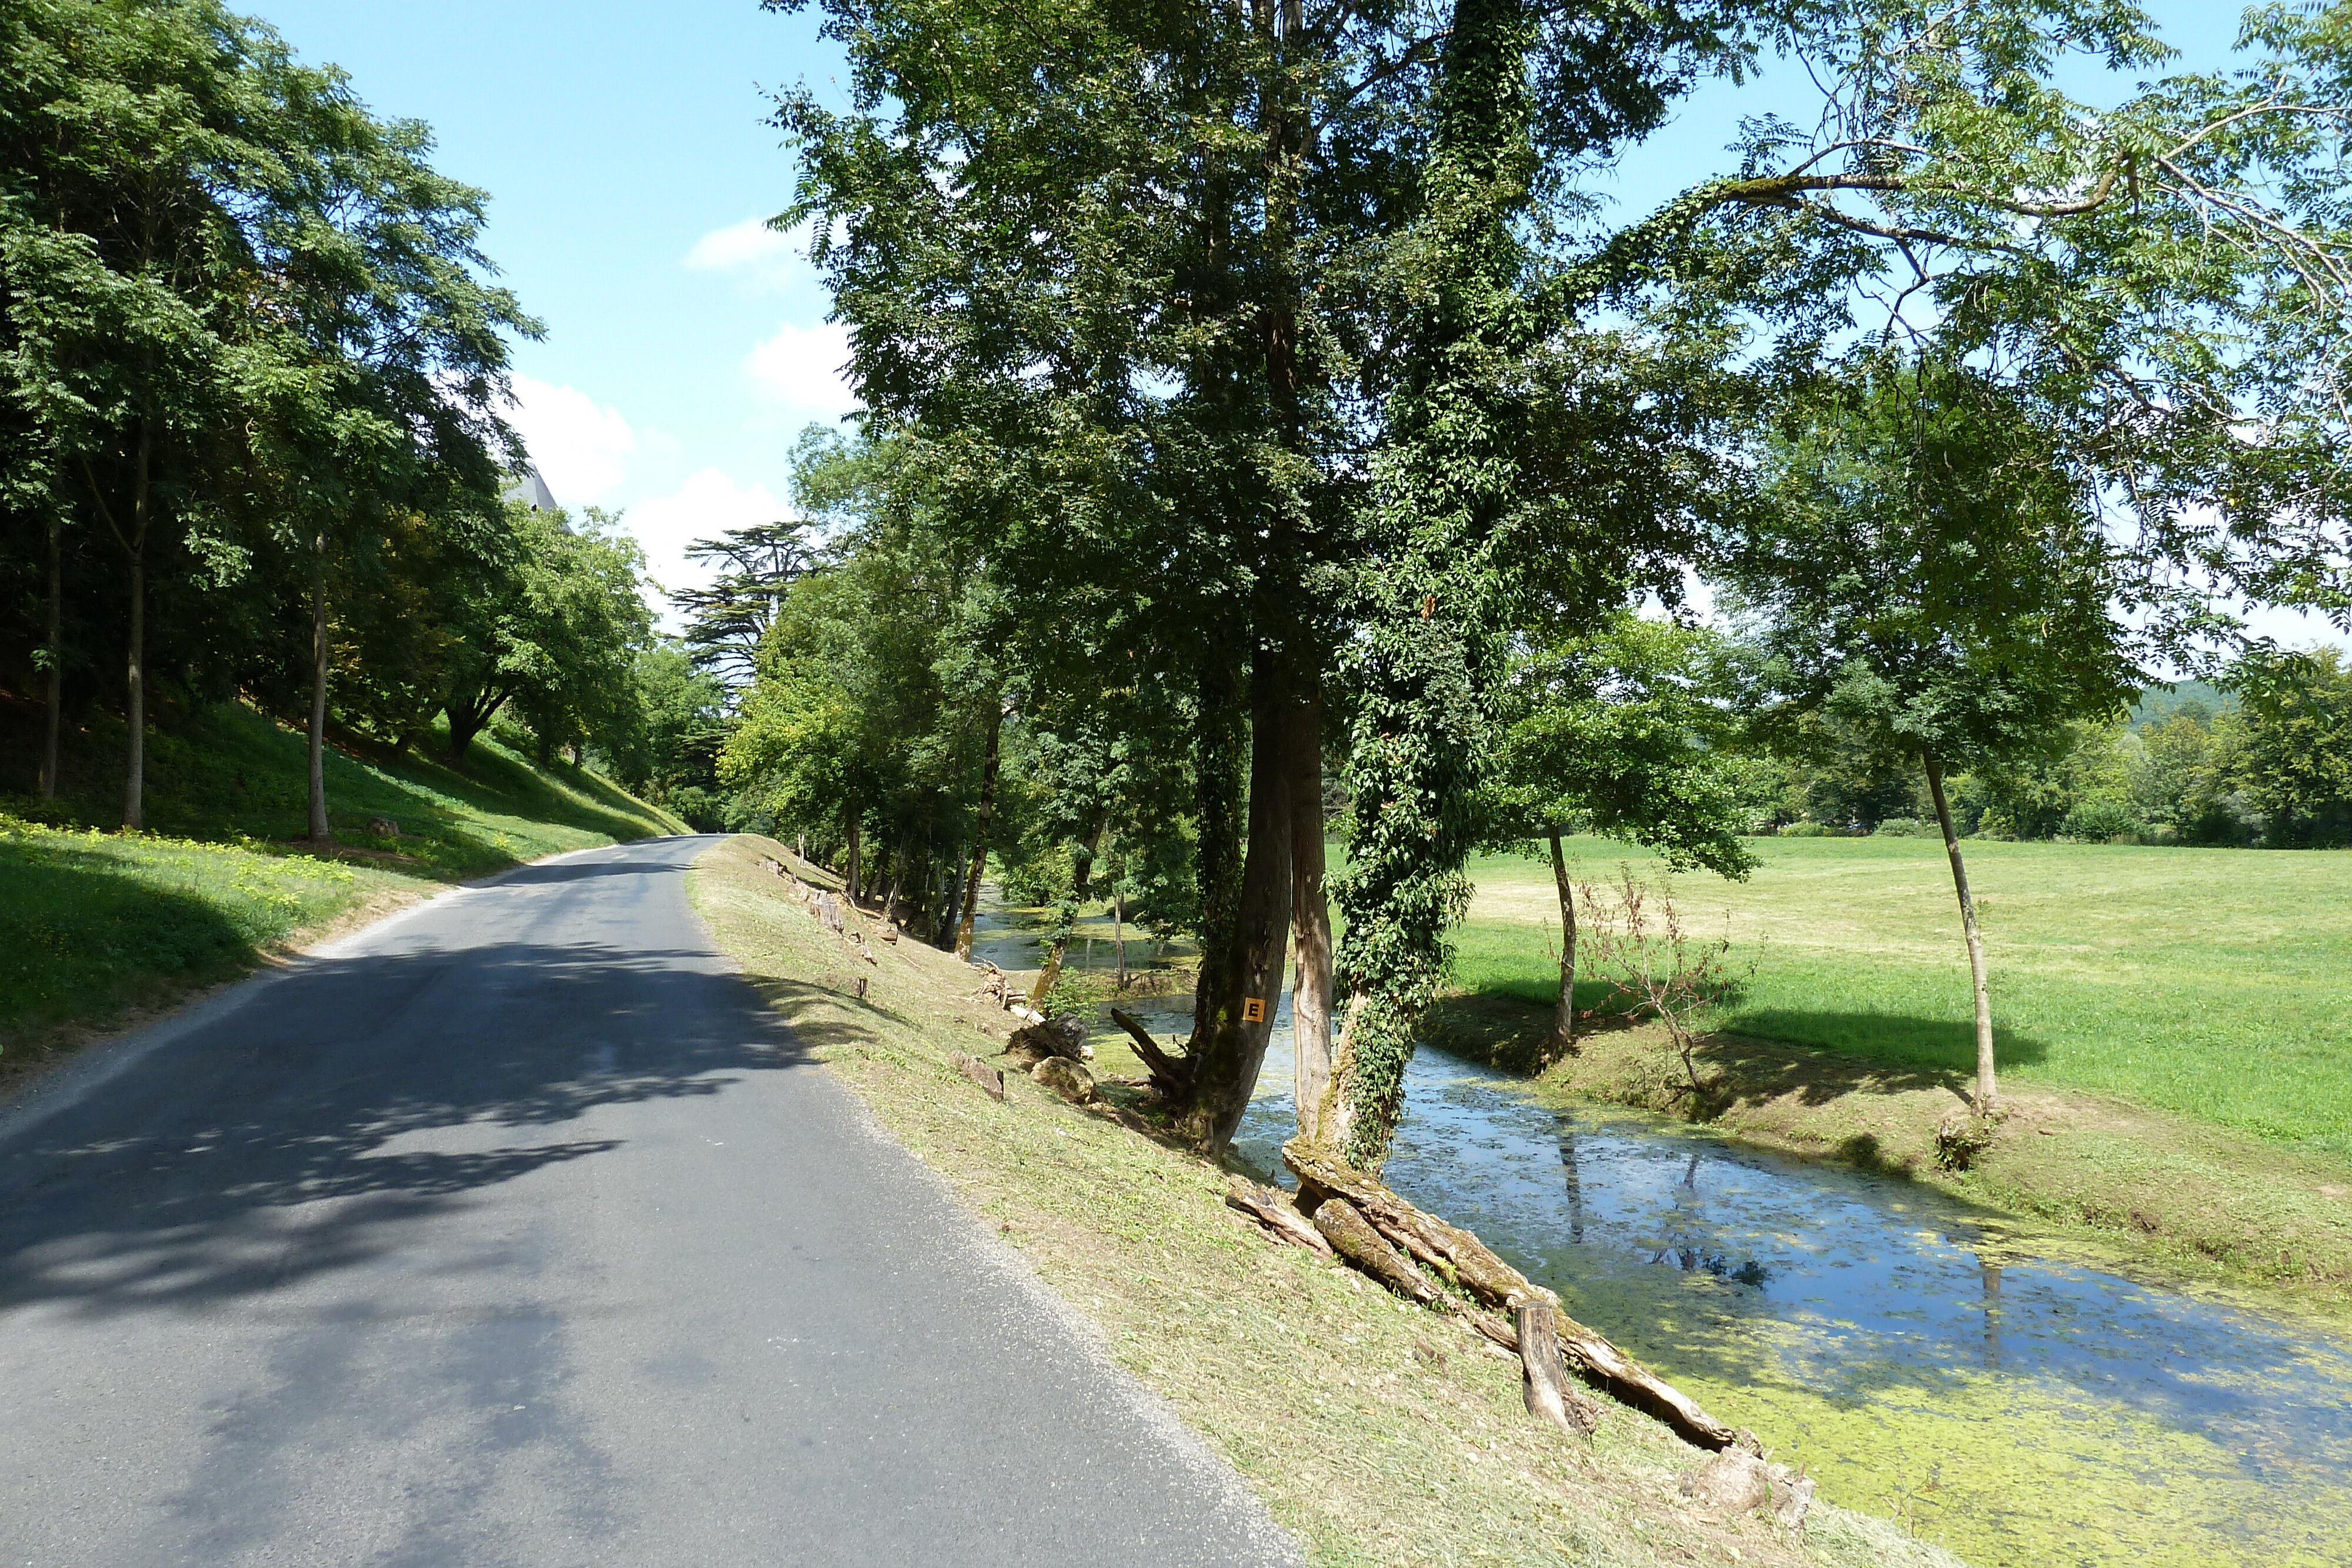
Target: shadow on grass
{"type": "Point", "coordinates": [329, 1125]}
{"type": "Point", "coordinates": [86, 936]}
{"type": "Point", "coordinates": [1765, 1052]}
{"type": "Point", "coordinates": [226, 771]}
{"type": "Point", "coordinates": [1888, 1043]}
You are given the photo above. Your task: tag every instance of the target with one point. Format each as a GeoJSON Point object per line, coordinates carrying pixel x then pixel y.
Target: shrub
{"type": "Point", "coordinates": [2102, 823]}
{"type": "Point", "coordinates": [1805, 831]}
{"type": "Point", "coordinates": [1908, 828]}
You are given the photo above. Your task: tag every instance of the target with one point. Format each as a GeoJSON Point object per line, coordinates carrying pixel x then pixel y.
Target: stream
{"type": "Point", "coordinates": [1919, 1359]}
{"type": "Point", "coordinates": [1928, 1362]}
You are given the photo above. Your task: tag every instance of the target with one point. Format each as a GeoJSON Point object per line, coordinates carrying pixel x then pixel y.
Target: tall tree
{"type": "Point", "coordinates": [1125, 272]}
{"type": "Point", "coordinates": [726, 618]}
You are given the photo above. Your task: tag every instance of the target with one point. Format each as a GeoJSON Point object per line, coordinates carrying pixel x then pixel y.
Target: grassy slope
{"type": "Point", "coordinates": [114, 925]}
{"type": "Point", "coordinates": [1379, 1433]}
{"type": "Point", "coordinates": [2213, 984]}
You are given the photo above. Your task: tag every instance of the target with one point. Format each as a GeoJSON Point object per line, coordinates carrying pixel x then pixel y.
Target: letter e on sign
{"type": "Point", "coordinates": [1254, 1009]}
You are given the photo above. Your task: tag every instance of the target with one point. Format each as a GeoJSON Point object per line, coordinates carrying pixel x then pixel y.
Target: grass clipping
{"type": "Point", "coordinates": [1377, 1432]}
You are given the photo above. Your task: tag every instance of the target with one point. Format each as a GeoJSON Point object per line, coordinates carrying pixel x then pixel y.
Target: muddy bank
{"type": "Point", "coordinates": [2158, 1191]}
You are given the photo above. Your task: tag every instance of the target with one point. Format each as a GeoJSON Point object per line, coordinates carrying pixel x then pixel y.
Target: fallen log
{"type": "Point", "coordinates": [1461, 1257]}
{"type": "Point", "coordinates": [1353, 1237]}
{"type": "Point", "coordinates": [1271, 1207]}
{"type": "Point", "coordinates": [1548, 1393]}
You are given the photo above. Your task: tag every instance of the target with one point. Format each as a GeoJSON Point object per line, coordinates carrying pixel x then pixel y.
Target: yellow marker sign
{"type": "Point", "coordinates": [1254, 1009]}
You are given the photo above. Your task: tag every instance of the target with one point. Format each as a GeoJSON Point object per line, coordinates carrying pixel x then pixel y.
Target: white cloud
{"type": "Point", "coordinates": [804, 369]}
{"type": "Point", "coordinates": [581, 448]}
{"type": "Point", "coordinates": [757, 257]}
{"type": "Point", "coordinates": [707, 505]}
{"type": "Point", "coordinates": [750, 245]}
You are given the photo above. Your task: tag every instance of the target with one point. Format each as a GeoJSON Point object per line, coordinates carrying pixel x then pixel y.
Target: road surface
{"type": "Point", "coordinates": [514, 1230]}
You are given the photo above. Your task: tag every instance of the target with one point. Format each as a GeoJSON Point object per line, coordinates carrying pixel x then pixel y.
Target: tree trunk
{"type": "Point", "coordinates": [319, 832]}
{"type": "Point", "coordinates": [53, 635]}
{"type": "Point", "coordinates": [1563, 1023]}
{"type": "Point", "coordinates": [1310, 917]}
{"type": "Point", "coordinates": [980, 841]}
{"type": "Point", "coordinates": [1119, 937]}
{"type": "Point", "coordinates": [134, 779]}
{"type": "Point", "coordinates": [849, 867]}
{"type": "Point", "coordinates": [1084, 890]}
{"type": "Point", "coordinates": [1050, 973]}
{"type": "Point", "coordinates": [1218, 783]}
{"type": "Point", "coordinates": [469, 718]}
{"type": "Point", "coordinates": [1986, 1088]}
{"type": "Point", "coordinates": [1229, 1045]}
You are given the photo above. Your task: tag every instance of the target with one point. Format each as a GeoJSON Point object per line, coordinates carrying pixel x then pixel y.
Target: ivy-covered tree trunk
{"type": "Point", "coordinates": [1435, 608]}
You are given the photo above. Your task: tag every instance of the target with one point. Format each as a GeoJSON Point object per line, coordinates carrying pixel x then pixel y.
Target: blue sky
{"type": "Point", "coordinates": [629, 164]}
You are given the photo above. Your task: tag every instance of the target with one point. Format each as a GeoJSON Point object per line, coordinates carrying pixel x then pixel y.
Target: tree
{"type": "Point", "coordinates": [668, 751]}
{"type": "Point", "coordinates": [2165, 282]}
{"type": "Point", "coordinates": [556, 633]}
{"type": "Point", "coordinates": [1620, 733]}
{"type": "Point", "coordinates": [387, 366]}
{"type": "Point", "coordinates": [2297, 763]}
{"type": "Point", "coordinates": [243, 321]}
{"type": "Point", "coordinates": [1929, 569]}
{"type": "Point", "coordinates": [1124, 279]}
{"type": "Point", "coordinates": [725, 619]}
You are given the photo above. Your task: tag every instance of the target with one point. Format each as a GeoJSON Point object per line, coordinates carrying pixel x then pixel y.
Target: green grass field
{"type": "Point", "coordinates": [97, 923]}
{"type": "Point", "coordinates": [2212, 983]}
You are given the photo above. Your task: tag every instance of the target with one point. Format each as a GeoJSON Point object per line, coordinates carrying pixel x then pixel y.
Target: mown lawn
{"type": "Point", "coordinates": [95, 924]}
{"type": "Point", "coordinates": [2212, 983]}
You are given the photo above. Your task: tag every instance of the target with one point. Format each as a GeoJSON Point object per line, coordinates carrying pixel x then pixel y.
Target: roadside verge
{"type": "Point", "coordinates": [1378, 1433]}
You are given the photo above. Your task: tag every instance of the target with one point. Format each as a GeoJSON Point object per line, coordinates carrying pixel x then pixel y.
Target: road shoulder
{"type": "Point", "coordinates": [1375, 1432]}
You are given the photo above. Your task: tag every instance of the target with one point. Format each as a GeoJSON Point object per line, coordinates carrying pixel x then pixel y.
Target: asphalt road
{"type": "Point", "coordinates": [515, 1231]}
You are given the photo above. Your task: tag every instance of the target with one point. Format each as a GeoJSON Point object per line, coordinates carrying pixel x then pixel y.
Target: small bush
{"type": "Point", "coordinates": [1906, 828]}
{"type": "Point", "coordinates": [2102, 823]}
{"type": "Point", "coordinates": [1805, 831]}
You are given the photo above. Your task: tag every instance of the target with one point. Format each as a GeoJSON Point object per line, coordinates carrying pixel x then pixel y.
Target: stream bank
{"type": "Point", "coordinates": [2194, 1202]}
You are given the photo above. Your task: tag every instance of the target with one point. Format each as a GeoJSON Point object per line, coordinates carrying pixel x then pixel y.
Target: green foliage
{"type": "Point", "coordinates": [668, 753]}
{"type": "Point", "coordinates": [1927, 572]}
{"type": "Point", "coordinates": [252, 366]}
{"type": "Point", "coordinates": [1622, 733]}
{"type": "Point", "coordinates": [2296, 765]}
{"type": "Point", "coordinates": [556, 632]}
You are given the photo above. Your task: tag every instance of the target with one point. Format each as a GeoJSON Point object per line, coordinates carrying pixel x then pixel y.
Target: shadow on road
{"type": "Point", "coordinates": [316, 1128]}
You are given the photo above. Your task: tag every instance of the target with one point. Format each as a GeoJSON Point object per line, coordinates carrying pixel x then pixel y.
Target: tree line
{"type": "Point", "coordinates": [253, 373]}
{"type": "Point", "coordinates": [1270, 430]}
